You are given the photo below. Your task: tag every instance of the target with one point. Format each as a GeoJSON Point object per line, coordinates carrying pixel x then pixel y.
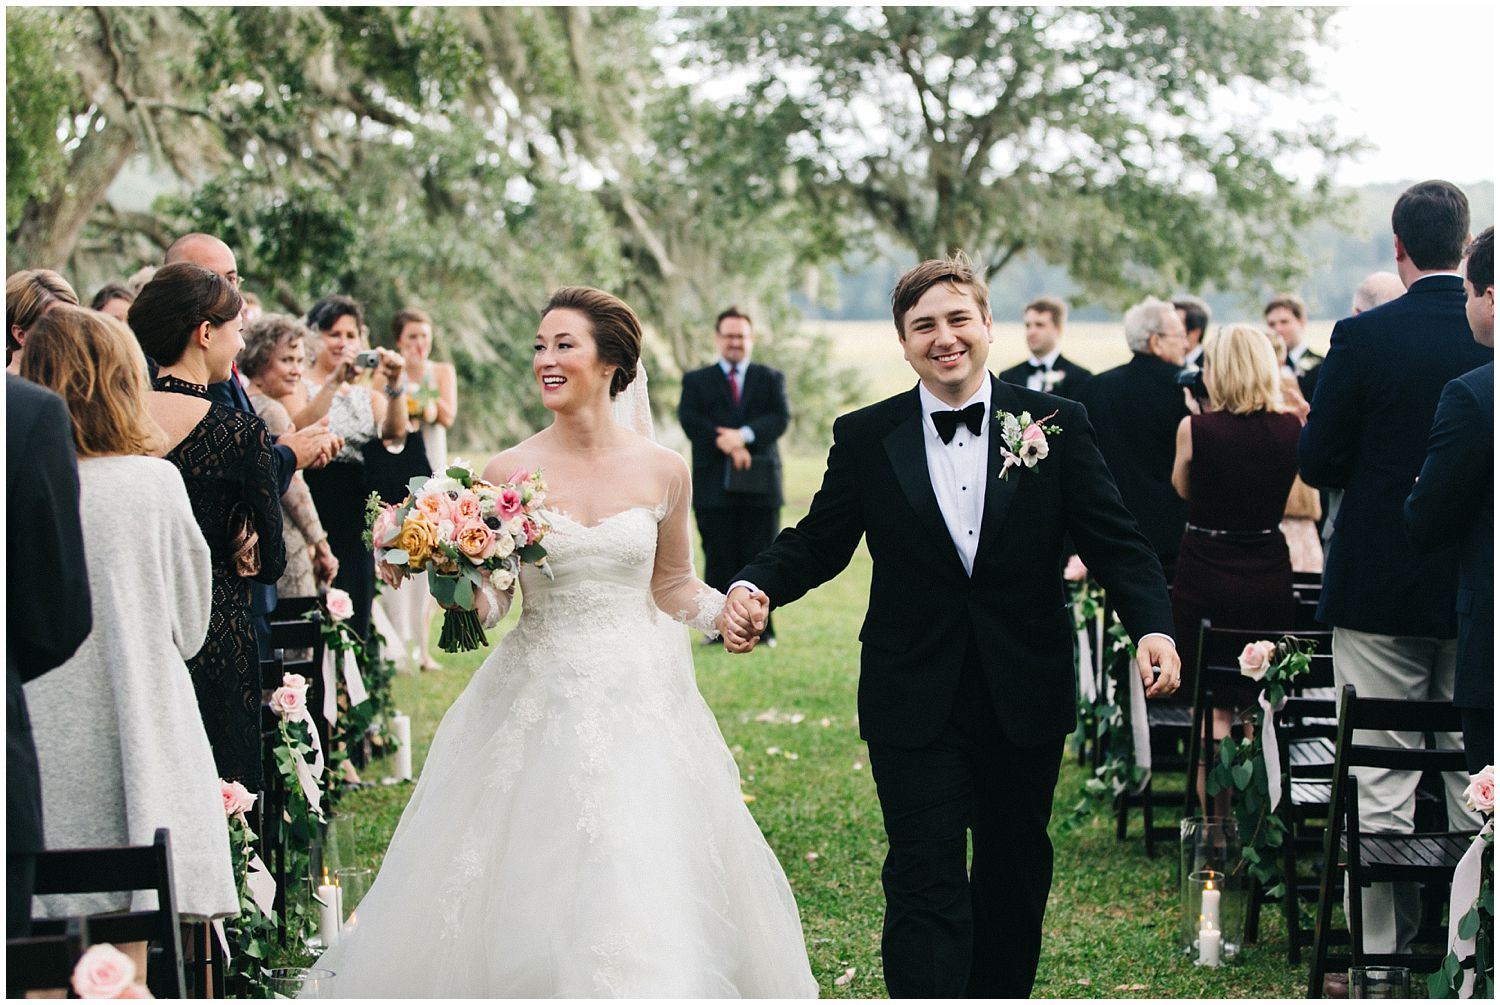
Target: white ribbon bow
{"type": "Point", "coordinates": [352, 680]}
{"type": "Point", "coordinates": [1088, 688]}
{"type": "Point", "coordinates": [262, 885]}
{"type": "Point", "coordinates": [1140, 727]}
{"type": "Point", "coordinates": [307, 775]}
{"type": "Point", "coordinates": [1268, 749]}
{"type": "Point", "coordinates": [1465, 893]}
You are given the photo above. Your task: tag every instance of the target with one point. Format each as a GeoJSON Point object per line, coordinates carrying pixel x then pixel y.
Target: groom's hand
{"type": "Point", "coordinates": [743, 619]}
{"type": "Point", "coordinates": [1157, 651]}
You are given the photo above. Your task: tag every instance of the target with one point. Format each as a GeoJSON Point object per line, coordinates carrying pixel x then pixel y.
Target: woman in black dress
{"type": "Point", "coordinates": [1235, 464]}
{"type": "Point", "coordinates": [188, 320]}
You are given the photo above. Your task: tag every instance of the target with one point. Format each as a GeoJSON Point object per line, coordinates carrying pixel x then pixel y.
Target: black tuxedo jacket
{"type": "Point", "coordinates": [707, 404]}
{"type": "Point", "coordinates": [1136, 408]}
{"type": "Point", "coordinates": [47, 607]}
{"type": "Point", "coordinates": [1071, 381]}
{"type": "Point", "coordinates": [1453, 502]}
{"type": "Point", "coordinates": [923, 608]}
{"type": "Point", "coordinates": [1367, 433]}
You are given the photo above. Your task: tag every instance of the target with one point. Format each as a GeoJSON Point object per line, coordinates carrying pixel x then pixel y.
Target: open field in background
{"type": "Point", "coordinates": [1098, 345]}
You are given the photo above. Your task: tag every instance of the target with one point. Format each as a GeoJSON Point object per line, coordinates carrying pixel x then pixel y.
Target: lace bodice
{"type": "Point", "coordinates": [351, 416]}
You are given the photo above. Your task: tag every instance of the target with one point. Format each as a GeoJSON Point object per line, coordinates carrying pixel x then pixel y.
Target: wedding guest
{"type": "Point", "coordinates": [1391, 606]}
{"type": "Point", "coordinates": [432, 403]}
{"type": "Point", "coordinates": [734, 411]}
{"type": "Point", "coordinates": [1286, 315]}
{"type": "Point", "coordinates": [1454, 499]}
{"type": "Point", "coordinates": [121, 745]}
{"type": "Point", "coordinates": [1304, 507]}
{"type": "Point", "coordinates": [1234, 465]}
{"type": "Point", "coordinates": [188, 319]}
{"type": "Point", "coordinates": [29, 294]}
{"type": "Point", "coordinates": [1135, 409]}
{"type": "Point", "coordinates": [362, 405]}
{"type": "Point", "coordinates": [1375, 289]}
{"type": "Point", "coordinates": [1195, 314]}
{"type": "Point", "coordinates": [1046, 369]}
{"type": "Point", "coordinates": [46, 616]}
{"type": "Point", "coordinates": [272, 361]}
{"type": "Point", "coordinates": [113, 299]}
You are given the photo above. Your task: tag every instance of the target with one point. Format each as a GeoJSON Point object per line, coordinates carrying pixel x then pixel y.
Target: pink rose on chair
{"type": "Point", "coordinates": [238, 800]}
{"type": "Point", "coordinates": [290, 700]}
{"type": "Point", "coordinates": [1480, 795]}
{"type": "Point", "coordinates": [103, 972]}
{"type": "Point", "coordinates": [508, 504]}
{"type": "Point", "coordinates": [1076, 572]}
{"type": "Point", "coordinates": [340, 606]}
{"type": "Point", "coordinates": [1256, 659]}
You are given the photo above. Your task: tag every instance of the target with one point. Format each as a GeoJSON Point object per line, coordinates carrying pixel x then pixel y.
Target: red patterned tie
{"type": "Point", "coordinates": [734, 385]}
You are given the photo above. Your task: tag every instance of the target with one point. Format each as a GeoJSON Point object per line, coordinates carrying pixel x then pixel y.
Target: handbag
{"type": "Point", "coordinates": [244, 541]}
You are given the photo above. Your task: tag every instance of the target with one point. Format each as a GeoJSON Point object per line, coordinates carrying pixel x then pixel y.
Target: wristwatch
{"type": "Point", "coordinates": [394, 391]}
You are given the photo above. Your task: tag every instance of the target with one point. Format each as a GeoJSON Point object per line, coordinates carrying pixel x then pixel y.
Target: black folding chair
{"type": "Point", "coordinates": [300, 642]}
{"type": "Point", "coordinates": [45, 962]}
{"type": "Point", "coordinates": [1377, 857]}
{"type": "Point", "coordinates": [122, 870]}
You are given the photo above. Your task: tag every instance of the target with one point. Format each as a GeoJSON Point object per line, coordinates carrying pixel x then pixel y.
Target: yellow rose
{"type": "Point", "coordinates": [418, 537]}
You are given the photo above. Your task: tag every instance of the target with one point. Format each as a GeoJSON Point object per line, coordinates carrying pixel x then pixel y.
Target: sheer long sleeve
{"type": "Point", "coordinates": [675, 587]}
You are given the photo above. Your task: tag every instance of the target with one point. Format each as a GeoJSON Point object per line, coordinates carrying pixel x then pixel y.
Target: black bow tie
{"type": "Point", "coordinates": [947, 422]}
{"type": "Point", "coordinates": [1038, 367]}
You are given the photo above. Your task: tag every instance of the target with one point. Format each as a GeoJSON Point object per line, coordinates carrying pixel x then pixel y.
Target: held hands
{"type": "Point", "coordinates": [314, 445]}
{"type": "Point", "coordinates": [1159, 652]}
{"type": "Point", "coordinates": [743, 619]}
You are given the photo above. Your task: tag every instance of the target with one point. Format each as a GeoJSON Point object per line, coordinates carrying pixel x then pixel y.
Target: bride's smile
{"type": "Point", "coordinates": [566, 362]}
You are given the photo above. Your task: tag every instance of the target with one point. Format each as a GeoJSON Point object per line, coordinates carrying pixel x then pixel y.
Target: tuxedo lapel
{"type": "Point", "coordinates": [908, 453]}
{"type": "Point", "coordinates": [998, 492]}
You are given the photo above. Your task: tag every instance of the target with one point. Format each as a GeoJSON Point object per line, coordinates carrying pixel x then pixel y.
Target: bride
{"type": "Point", "coordinates": [578, 829]}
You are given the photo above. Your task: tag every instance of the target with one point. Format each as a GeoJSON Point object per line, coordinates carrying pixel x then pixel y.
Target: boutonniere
{"type": "Point", "coordinates": [1023, 440]}
{"type": "Point", "coordinates": [1305, 362]}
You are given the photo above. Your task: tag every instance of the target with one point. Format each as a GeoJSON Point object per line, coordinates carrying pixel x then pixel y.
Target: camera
{"type": "Point", "coordinates": [367, 360]}
{"type": "Point", "coordinates": [1193, 381]}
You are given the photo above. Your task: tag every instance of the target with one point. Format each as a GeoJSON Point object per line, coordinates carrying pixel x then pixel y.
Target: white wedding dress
{"type": "Point", "coordinates": [578, 829]}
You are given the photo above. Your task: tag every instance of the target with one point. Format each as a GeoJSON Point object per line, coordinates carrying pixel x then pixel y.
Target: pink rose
{"type": "Point", "coordinates": [465, 508]}
{"type": "Point", "coordinates": [385, 527]}
{"type": "Point", "coordinates": [436, 505]}
{"type": "Point", "coordinates": [340, 606]}
{"type": "Point", "coordinates": [1256, 659]}
{"type": "Point", "coordinates": [135, 991]}
{"type": "Point", "coordinates": [518, 476]}
{"type": "Point", "coordinates": [475, 541]}
{"type": "Point", "coordinates": [1076, 572]}
{"type": "Point", "coordinates": [294, 680]}
{"type": "Point", "coordinates": [238, 800]}
{"type": "Point", "coordinates": [1480, 795]}
{"type": "Point", "coordinates": [289, 702]}
{"type": "Point", "coordinates": [103, 972]}
{"type": "Point", "coordinates": [508, 504]}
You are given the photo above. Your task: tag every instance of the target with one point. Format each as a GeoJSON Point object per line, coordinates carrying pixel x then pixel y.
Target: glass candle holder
{"type": "Point", "coordinates": [1212, 868]}
{"type": "Point", "coordinates": [300, 982]}
{"type": "Point", "coordinates": [353, 884]}
{"type": "Point", "coordinates": [338, 842]}
{"type": "Point", "coordinates": [1379, 982]}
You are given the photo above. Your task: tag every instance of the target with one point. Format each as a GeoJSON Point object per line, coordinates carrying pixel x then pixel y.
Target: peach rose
{"type": "Point", "coordinates": [475, 541]}
{"type": "Point", "coordinates": [103, 972]}
{"type": "Point", "coordinates": [1256, 659]}
{"type": "Point", "coordinates": [340, 606]}
{"type": "Point", "coordinates": [238, 800]}
{"type": "Point", "coordinates": [418, 537]}
{"type": "Point", "coordinates": [1480, 795]}
{"type": "Point", "coordinates": [465, 508]}
{"type": "Point", "coordinates": [436, 506]}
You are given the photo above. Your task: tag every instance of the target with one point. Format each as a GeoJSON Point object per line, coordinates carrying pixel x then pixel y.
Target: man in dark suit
{"type": "Point", "coordinates": [310, 447]}
{"type": "Point", "coordinates": [734, 412]}
{"type": "Point", "coordinates": [1047, 369]}
{"type": "Point", "coordinates": [1135, 408]}
{"type": "Point", "coordinates": [47, 611]}
{"type": "Point", "coordinates": [1391, 605]}
{"type": "Point", "coordinates": [1453, 500]}
{"type": "Point", "coordinates": [966, 671]}
{"type": "Point", "coordinates": [1286, 315]}
{"type": "Point", "coordinates": [1195, 314]}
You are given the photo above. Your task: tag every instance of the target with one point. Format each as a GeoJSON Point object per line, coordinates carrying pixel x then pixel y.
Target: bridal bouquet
{"type": "Point", "coordinates": [467, 534]}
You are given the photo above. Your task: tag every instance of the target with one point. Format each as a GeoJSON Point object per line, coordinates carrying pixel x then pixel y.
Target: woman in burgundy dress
{"type": "Point", "coordinates": [1235, 464]}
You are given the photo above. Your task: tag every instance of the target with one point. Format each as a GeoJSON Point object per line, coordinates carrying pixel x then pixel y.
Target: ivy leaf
{"type": "Point", "coordinates": [1468, 925]}
{"type": "Point", "coordinates": [1242, 774]}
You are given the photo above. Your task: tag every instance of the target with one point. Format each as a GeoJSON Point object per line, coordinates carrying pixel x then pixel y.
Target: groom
{"type": "Point", "coordinates": [966, 685]}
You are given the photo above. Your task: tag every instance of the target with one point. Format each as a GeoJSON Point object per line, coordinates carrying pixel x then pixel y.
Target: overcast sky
{"type": "Point", "coordinates": [1419, 83]}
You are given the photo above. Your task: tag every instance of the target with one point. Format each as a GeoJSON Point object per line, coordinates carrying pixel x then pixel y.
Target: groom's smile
{"type": "Point", "coordinates": [947, 341]}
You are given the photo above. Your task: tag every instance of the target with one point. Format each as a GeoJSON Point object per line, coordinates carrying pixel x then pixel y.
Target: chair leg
{"type": "Point", "coordinates": [1290, 906]}
{"type": "Point", "coordinates": [1353, 881]}
{"type": "Point", "coordinates": [1326, 887]}
{"type": "Point", "coordinates": [1147, 820]}
{"type": "Point", "coordinates": [1252, 913]}
{"type": "Point", "coordinates": [1122, 815]}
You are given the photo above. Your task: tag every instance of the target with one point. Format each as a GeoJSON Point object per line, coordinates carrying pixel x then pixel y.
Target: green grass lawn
{"type": "Point", "coordinates": [789, 716]}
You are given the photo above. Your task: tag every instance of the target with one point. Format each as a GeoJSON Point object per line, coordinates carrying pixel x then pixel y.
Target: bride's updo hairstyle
{"type": "Point", "coordinates": [179, 298]}
{"type": "Point", "coordinates": [616, 329]}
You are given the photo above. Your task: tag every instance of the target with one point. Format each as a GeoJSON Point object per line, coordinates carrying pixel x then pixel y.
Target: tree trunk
{"type": "Point", "coordinates": [49, 231]}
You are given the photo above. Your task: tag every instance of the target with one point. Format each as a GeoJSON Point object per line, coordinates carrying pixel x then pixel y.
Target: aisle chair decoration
{"type": "Point", "coordinates": [1471, 909]}
{"type": "Point", "coordinates": [1101, 716]}
{"type": "Point", "coordinates": [105, 972]}
{"type": "Point", "coordinates": [467, 534]}
{"type": "Point", "coordinates": [356, 685]}
{"type": "Point", "coordinates": [1250, 768]}
{"type": "Point", "coordinates": [249, 939]}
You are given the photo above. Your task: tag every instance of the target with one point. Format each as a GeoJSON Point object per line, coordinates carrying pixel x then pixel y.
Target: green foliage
{"type": "Point", "coordinates": [1478, 923]}
{"type": "Point", "coordinates": [1104, 720]}
{"type": "Point", "coordinates": [38, 95]}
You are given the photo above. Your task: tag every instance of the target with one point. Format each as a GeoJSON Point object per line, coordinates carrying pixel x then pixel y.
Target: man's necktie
{"type": "Point", "coordinates": [1038, 367]}
{"type": "Point", "coordinates": [734, 385]}
{"type": "Point", "coordinates": [947, 422]}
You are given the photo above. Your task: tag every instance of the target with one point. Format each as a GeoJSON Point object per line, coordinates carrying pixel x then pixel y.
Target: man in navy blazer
{"type": "Point", "coordinates": [1453, 500]}
{"type": "Point", "coordinates": [1391, 604]}
{"type": "Point", "coordinates": [734, 411]}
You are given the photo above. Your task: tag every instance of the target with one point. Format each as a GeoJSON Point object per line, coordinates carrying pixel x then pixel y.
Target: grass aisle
{"type": "Point", "coordinates": [789, 716]}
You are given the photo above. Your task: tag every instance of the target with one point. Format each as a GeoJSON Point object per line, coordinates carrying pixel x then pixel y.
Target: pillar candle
{"type": "Point", "coordinates": [1209, 941]}
{"type": "Point", "coordinates": [401, 727]}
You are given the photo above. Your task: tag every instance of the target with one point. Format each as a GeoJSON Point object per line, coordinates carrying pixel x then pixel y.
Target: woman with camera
{"type": "Point", "coordinates": [1235, 464]}
{"type": "Point", "coordinates": [361, 392]}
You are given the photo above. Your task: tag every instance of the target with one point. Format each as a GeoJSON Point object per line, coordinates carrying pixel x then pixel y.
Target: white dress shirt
{"type": "Point", "coordinates": [957, 470]}
{"type": "Point", "coordinates": [1038, 381]}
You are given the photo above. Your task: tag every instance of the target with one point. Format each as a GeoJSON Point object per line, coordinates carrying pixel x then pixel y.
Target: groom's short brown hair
{"type": "Point", "coordinates": [956, 269]}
